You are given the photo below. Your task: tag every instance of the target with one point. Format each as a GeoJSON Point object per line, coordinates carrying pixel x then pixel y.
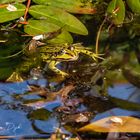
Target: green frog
{"type": "Point", "coordinates": [54, 55]}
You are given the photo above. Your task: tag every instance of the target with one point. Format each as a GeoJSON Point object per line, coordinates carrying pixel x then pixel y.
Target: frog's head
{"type": "Point", "coordinates": [67, 53]}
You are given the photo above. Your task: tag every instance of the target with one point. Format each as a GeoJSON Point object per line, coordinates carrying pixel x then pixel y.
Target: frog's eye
{"type": "Point", "coordinates": [62, 51]}
{"type": "Point", "coordinates": [71, 48]}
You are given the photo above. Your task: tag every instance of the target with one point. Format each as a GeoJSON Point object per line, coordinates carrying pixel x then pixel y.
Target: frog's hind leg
{"type": "Point", "coordinates": [97, 56]}
{"type": "Point", "coordinates": [52, 66]}
{"type": "Point", "coordinates": [94, 56]}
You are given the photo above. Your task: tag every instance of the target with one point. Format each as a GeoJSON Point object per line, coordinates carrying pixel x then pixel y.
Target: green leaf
{"type": "Point", "coordinates": [36, 27]}
{"type": "Point", "coordinates": [116, 10]}
{"type": "Point", "coordinates": [6, 15]}
{"type": "Point", "coordinates": [58, 17]}
{"type": "Point", "coordinates": [64, 37]}
{"type": "Point", "coordinates": [11, 1]}
{"type": "Point", "coordinates": [73, 6]}
{"type": "Point", "coordinates": [134, 5]}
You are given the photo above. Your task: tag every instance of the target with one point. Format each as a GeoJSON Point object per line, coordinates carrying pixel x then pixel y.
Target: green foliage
{"type": "Point", "coordinates": [39, 26]}
{"type": "Point", "coordinates": [10, 1]}
{"type": "Point", "coordinates": [57, 12]}
{"type": "Point", "coordinates": [134, 5]}
{"type": "Point", "coordinates": [6, 15]}
{"type": "Point", "coordinates": [73, 6]}
{"type": "Point", "coordinates": [116, 9]}
{"type": "Point", "coordinates": [54, 12]}
{"type": "Point", "coordinates": [62, 19]}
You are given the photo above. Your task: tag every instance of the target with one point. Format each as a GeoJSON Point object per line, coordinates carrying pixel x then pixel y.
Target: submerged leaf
{"type": "Point", "coordinates": [73, 6]}
{"type": "Point", "coordinates": [114, 124]}
{"type": "Point", "coordinates": [37, 27]}
{"type": "Point", "coordinates": [40, 114]}
{"type": "Point", "coordinates": [58, 17]}
{"type": "Point", "coordinates": [6, 15]}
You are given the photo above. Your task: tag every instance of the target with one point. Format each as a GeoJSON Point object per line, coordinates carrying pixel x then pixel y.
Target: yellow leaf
{"type": "Point", "coordinates": [15, 77]}
{"type": "Point", "coordinates": [114, 124]}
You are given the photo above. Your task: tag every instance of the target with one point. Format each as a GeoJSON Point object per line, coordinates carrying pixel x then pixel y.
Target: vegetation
{"type": "Point", "coordinates": [106, 25]}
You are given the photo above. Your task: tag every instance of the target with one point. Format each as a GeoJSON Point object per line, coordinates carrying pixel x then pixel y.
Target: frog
{"type": "Point", "coordinates": [54, 55]}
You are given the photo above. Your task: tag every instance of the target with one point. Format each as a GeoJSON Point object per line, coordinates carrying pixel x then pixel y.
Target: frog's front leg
{"type": "Point", "coordinates": [52, 65]}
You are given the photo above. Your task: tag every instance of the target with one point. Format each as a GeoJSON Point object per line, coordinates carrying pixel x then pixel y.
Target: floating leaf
{"type": "Point", "coordinates": [134, 5]}
{"type": "Point", "coordinates": [58, 17]}
{"type": "Point", "coordinates": [36, 27]}
{"type": "Point", "coordinates": [6, 15]}
{"type": "Point", "coordinates": [116, 10]}
{"type": "Point", "coordinates": [11, 1]}
{"type": "Point", "coordinates": [110, 124]}
{"type": "Point", "coordinates": [73, 6]}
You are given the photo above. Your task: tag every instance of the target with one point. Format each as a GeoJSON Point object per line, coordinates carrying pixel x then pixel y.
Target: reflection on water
{"type": "Point", "coordinates": [14, 123]}
{"type": "Point", "coordinates": [39, 115]}
{"type": "Point", "coordinates": [122, 91]}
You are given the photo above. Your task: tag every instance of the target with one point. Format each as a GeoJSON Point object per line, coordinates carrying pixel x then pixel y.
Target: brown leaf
{"type": "Point", "coordinates": [50, 96]}
{"type": "Point", "coordinates": [65, 90]}
{"type": "Point", "coordinates": [114, 124]}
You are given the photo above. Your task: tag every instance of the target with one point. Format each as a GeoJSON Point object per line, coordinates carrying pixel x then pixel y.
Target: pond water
{"type": "Point", "coordinates": [26, 114]}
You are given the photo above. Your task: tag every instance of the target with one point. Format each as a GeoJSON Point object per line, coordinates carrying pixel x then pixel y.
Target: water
{"type": "Point", "coordinates": [19, 119]}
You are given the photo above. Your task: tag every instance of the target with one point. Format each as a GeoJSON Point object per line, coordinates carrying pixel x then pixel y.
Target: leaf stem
{"type": "Point", "coordinates": [26, 10]}
{"type": "Point", "coordinates": [98, 35]}
{"type": "Point", "coordinates": [3, 5]}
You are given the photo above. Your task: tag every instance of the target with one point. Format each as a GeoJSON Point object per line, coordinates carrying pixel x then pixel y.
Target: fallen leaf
{"type": "Point", "coordinates": [128, 124]}
{"type": "Point", "coordinates": [50, 96]}
{"type": "Point", "coordinates": [65, 90]}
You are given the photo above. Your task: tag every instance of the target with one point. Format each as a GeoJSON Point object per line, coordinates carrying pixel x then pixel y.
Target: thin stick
{"type": "Point", "coordinates": [27, 9]}
{"type": "Point", "coordinates": [98, 35]}
{"type": "Point", "coordinates": [10, 56]}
